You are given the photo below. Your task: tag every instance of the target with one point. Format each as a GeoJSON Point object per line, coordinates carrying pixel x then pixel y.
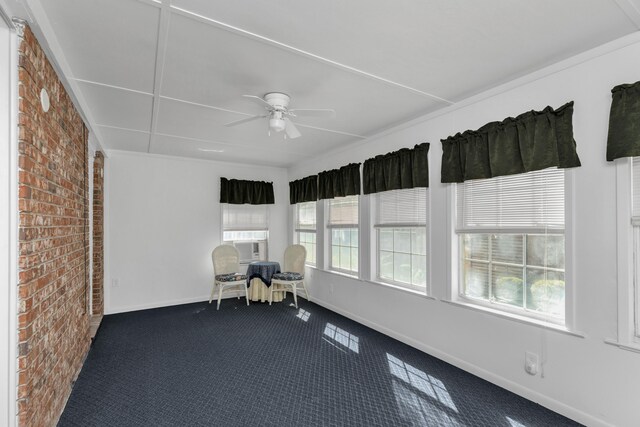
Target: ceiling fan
{"type": "Point", "coordinates": [278, 113]}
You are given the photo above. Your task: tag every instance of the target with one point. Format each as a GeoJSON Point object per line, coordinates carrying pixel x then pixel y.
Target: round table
{"type": "Point", "coordinates": [259, 280]}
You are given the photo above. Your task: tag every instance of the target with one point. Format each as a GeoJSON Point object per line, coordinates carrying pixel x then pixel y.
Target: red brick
{"type": "Point", "coordinates": [53, 320]}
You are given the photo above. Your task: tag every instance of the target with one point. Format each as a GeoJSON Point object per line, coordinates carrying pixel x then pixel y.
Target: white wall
{"type": "Point", "coordinates": [584, 378]}
{"type": "Point", "coordinates": [163, 219]}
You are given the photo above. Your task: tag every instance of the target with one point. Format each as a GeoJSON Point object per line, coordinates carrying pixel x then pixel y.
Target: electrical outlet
{"type": "Point", "coordinates": [531, 363]}
{"type": "Point", "coordinates": [115, 283]}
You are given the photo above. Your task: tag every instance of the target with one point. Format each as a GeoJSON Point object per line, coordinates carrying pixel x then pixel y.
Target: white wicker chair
{"type": "Point", "coordinates": [292, 273]}
{"type": "Point", "coordinates": [226, 268]}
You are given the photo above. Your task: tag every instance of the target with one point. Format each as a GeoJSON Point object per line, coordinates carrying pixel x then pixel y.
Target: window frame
{"type": "Point", "coordinates": [328, 229]}
{"type": "Point", "coordinates": [266, 230]}
{"type": "Point", "coordinates": [628, 265]}
{"type": "Point", "coordinates": [374, 233]}
{"type": "Point", "coordinates": [297, 231]}
{"type": "Point", "coordinates": [497, 305]}
{"type": "Point", "coordinates": [376, 257]}
{"type": "Point", "coordinates": [454, 272]}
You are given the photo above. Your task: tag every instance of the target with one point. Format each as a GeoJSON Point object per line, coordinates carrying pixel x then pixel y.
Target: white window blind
{"type": "Point", "coordinates": [635, 213]}
{"type": "Point", "coordinates": [529, 203]}
{"type": "Point", "coordinates": [343, 212]}
{"type": "Point", "coordinates": [306, 216]}
{"type": "Point", "coordinates": [401, 208]}
{"type": "Point", "coordinates": [245, 217]}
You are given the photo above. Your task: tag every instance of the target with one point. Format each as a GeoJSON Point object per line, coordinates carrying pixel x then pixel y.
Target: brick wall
{"type": "Point", "coordinates": [53, 320]}
{"type": "Point", "coordinates": [98, 235]}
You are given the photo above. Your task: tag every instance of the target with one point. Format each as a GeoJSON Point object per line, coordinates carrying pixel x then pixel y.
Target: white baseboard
{"type": "Point", "coordinates": [158, 304]}
{"type": "Point", "coordinates": [516, 388]}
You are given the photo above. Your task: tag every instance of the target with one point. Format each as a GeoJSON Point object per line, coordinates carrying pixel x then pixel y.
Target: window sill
{"type": "Point", "coordinates": [339, 273]}
{"type": "Point", "coordinates": [521, 319]}
{"type": "Point", "coordinates": [401, 289]}
{"type": "Point", "coordinates": [628, 346]}
{"type": "Point", "coordinates": [386, 285]}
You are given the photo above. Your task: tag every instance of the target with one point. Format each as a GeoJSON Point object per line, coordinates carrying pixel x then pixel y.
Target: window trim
{"type": "Point", "coordinates": [627, 272]}
{"type": "Point", "coordinates": [453, 272]}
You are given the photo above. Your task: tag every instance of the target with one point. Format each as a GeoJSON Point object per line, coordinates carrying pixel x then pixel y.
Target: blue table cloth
{"type": "Point", "coordinates": [262, 270]}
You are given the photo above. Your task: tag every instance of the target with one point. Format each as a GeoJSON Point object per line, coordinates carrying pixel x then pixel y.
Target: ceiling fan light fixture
{"type": "Point", "coordinates": [277, 125]}
{"type": "Point", "coordinates": [276, 122]}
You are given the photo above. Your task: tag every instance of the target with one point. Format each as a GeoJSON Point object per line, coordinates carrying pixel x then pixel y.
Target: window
{"type": "Point", "coordinates": [511, 243]}
{"type": "Point", "coordinates": [343, 234]}
{"type": "Point", "coordinates": [400, 222]}
{"type": "Point", "coordinates": [305, 228]}
{"type": "Point", "coordinates": [246, 223]}
{"type": "Point", "coordinates": [635, 222]}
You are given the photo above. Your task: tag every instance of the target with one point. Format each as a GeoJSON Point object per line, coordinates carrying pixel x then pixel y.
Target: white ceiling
{"type": "Point", "coordinates": [164, 77]}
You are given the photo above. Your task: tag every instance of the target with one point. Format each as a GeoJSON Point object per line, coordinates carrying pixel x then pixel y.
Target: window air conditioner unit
{"type": "Point", "coordinates": [251, 250]}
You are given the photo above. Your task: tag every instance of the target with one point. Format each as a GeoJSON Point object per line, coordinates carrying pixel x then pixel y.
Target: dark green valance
{"type": "Point", "coordinates": [238, 192]}
{"type": "Point", "coordinates": [624, 122]}
{"type": "Point", "coordinates": [405, 168]}
{"type": "Point", "coordinates": [532, 141]}
{"type": "Point", "coordinates": [303, 190]}
{"type": "Point", "coordinates": [339, 182]}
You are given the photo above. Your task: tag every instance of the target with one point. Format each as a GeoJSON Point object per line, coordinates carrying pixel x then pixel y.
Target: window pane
{"type": "Point", "coordinates": [307, 239]}
{"type": "Point", "coordinates": [354, 259]}
{"type": "Point", "coordinates": [419, 270]}
{"type": "Point", "coordinates": [386, 265]}
{"type": "Point", "coordinates": [507, 285]}
{"type": "Point", "coordinates": [344, 254]}
{"type": "Point", "coordinates": [386, 239]}
{"type": "Point", "coordinates": [551, 247]}
{"type": "Point", "coordinates": [507, 248]}
{"type": "Point", "coordinates": [345, 257]}
{"type": "Point", "coordinates": [419, 241]}
{"type": "Point", "coordinates": [402, 267]}
{"type": "Point", "coordinates": [545, 294]}
{"type": "Point", "coordinates": [335, 256]}
{"type": "Point", "coordinates": [402, 255]}
{"type": "Point", "coordinates": [354, 237]}
{"type": "Point", "coordinates": [402, 240]}
{"type": "Point", "coordinates": [476, 279]}
{"type": "Point", "coordinates": [475, 246]}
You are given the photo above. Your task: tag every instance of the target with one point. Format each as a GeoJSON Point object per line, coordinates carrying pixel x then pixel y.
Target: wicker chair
{"type": "Point", "coordinates": [292, 273]}
{"type": "Point", "coordinates": [226, 268]}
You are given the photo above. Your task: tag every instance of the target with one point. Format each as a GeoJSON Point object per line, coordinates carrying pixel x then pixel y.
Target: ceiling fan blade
{"type": "Point", "coordinates": [245, 120]}
{"type": "Point", "coordinates": [312, 112]}
{"type": "Point", "coordinates": [291, 129]}
{"type": "Point", "coordinates": [261, 102]}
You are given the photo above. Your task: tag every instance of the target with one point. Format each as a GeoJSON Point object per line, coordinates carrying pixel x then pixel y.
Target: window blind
{"type": "Point", "coordinates": [401, 208]}
{"type": "Point", "coordinates": [635, 213]}
{"type": "Point", "coordinates": [343, 212]}
{"type": "Point", "coordinates": [245, 217]}
{"type": "Point", "coordinates": [526, 203]}
{"type": "Point", "coordinates": [306, 216]}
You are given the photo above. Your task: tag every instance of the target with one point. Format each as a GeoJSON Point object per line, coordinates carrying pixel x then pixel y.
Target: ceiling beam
{"type": "Point", "coordinates": [161, 50]}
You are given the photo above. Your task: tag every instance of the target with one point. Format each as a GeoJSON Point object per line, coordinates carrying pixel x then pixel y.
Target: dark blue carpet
{"type": "Point", "coordinates": [264, 365]}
